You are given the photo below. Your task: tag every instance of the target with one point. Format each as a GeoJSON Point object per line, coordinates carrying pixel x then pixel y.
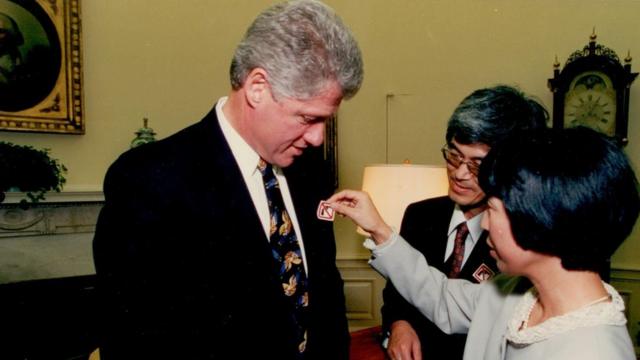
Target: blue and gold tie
{"type": "Point", "coordinates": [285, 249]}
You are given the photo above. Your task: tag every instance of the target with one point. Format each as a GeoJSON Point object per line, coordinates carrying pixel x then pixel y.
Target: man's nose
{"type": "Point", "coordinates": [314, 135]}
{"type": "Point", "coordinates": [462, 172]}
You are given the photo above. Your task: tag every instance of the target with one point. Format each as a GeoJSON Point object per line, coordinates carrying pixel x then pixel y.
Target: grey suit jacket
{"type": "Point", "coordinates": [483, 311]}
{"type": "Point", "coordinates": [424, 226]}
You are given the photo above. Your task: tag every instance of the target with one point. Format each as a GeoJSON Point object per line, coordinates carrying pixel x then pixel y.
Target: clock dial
{"type": "Point", "coordinates": [591, 101]}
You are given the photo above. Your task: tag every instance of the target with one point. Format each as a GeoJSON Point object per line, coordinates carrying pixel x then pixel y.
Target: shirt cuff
{"type": "Point", "coordinates": [377, 250]}
{"type": "Point", "coordinates": [385, 340]}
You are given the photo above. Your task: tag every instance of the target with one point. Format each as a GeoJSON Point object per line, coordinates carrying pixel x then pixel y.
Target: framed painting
{"type": "Point", "coordinates": [41, 66]}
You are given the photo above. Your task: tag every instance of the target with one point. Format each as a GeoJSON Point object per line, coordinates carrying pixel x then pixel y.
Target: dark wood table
{"type": "Point", "coordinates": [365, 344]}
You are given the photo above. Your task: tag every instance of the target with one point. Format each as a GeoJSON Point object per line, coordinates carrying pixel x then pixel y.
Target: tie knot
{"type": "Point", "coordinates": [463, 229]}
{"type": "Point", "coordinates": [265, 168]}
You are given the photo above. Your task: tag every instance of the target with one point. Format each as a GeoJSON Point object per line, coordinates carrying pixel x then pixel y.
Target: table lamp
{"type": "Point", "coordinates": [393, 187]}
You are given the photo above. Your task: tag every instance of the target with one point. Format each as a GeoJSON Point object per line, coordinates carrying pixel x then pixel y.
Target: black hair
{"type": "Point", "coordinates": [569, 193]}
{"type": "Point", "coordinates": [489, 115]}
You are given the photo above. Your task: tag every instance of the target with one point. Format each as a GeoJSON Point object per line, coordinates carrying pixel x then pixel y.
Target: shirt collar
{"type": "Point", "coordinates": [475, 230]}
{"type": "Point", "coordinates": [245, 156]}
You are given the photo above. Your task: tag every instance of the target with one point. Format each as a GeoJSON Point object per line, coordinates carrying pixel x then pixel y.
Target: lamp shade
{"type": "Point", "coordinates": [393, 187]}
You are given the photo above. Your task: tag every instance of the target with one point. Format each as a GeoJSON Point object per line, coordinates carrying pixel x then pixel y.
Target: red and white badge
{"type": "Point", "coordinates": [325, 212]}
{"type": "Point", "coordinates": [483, 273]}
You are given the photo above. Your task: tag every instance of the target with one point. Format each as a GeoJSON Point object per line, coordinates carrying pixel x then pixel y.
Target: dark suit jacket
{"type": "Point", "coordinates": [424, 226]}
{"type": "Point", "coordinates": [185, 270]}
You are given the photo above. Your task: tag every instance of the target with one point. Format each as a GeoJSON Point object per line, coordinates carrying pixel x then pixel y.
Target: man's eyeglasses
{"type": "Point", "coordinates": [456, 160]}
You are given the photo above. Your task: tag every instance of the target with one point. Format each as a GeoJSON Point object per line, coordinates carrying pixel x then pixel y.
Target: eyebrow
{"type": "Point", "coordinates": [315, 119]}
{"type": "Point", "coordinates": [453, 147]}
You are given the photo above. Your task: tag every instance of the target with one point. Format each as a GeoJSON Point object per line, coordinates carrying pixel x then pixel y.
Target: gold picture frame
{"type": "Point", "coordinates": [41, 67]}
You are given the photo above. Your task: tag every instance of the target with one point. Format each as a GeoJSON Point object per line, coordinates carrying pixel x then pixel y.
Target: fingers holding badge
{"type": "Point", "coordinates": [325, 212]}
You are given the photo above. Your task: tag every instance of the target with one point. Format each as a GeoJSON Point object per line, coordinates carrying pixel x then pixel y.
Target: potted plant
{"type": "Point", "coordinates": [29, 170]}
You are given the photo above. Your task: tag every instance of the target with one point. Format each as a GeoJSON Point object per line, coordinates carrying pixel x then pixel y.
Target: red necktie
{"type": "Point", "coordinates": [458, 250]}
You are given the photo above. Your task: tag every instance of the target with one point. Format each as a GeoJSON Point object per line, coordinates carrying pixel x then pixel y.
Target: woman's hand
{"type": "Point", "coordinates": [357, 206]}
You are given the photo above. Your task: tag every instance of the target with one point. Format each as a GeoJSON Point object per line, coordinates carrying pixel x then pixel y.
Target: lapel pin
{"type": "Point", "coordinates": [325, 212]}
{"type": "Point", "coordinates": [483, 273]}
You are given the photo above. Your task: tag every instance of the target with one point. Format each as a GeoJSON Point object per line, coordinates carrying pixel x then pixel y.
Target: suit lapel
{"type": "Point", "coordinates": [479, 254]}
{"type": "Point", "coordinates": [301, 196]}
{"type": "Point", "coordinates": [247, 236]}
{"type": "Point", "coordinates": [479, 263]}
{"type": "Point", "coordinates": [437, 235]}
{"type": "Point", "coordinates": [442, 227]}
{"type": "Point", "coordinates": [306, 180]}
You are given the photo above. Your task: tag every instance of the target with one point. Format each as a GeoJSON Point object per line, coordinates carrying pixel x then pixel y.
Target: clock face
{"type": "Point", "coordinates": [591, 101]}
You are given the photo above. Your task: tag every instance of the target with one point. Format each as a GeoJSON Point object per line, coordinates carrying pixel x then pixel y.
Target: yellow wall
{"type": "Point", "coordinates": [168, 60]}
{"type": "Point", "coordinates": [433, 53]}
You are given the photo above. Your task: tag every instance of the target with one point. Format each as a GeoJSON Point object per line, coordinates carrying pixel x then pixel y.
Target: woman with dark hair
{"type": "Point", "coordinates": [560, 203]}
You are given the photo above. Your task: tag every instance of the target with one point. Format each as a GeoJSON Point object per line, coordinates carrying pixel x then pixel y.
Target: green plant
{"type": "Point", "coordinates": [29, 170]}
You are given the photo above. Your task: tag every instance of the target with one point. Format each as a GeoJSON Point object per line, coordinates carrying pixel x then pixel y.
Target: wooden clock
{"type": "Point", "coordinates": [592, 90]}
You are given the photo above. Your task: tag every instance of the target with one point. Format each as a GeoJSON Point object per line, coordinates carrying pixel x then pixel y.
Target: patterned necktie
{"type": "Point", "coordinates": [458, 250]}
{"type": "Point", "coordinates": [287, 254]}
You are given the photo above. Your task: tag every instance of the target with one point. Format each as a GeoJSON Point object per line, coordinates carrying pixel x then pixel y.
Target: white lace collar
{"type": "Point", "coordinates": [600, 313]}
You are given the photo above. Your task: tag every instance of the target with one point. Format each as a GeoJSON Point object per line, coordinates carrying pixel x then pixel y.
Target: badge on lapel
{"type": "Point", "coordinates": [325, 212]}
{"type": "Point", "coordinates": [483, 273]}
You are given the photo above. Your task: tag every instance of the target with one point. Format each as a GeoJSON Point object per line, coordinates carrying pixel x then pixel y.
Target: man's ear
{"type": "Point", "coordinates": [256, 87]}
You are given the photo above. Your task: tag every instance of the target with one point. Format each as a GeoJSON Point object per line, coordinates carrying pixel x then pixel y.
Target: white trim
{"type": "Point", "coordinates": [77, 193]}
{"type": "Point", "coordinates": [625, 272]}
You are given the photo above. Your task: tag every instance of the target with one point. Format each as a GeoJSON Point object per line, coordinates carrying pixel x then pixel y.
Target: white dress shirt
{"type": "Point", "coordinates": [475, 230]}
{"type": "Point", "coordinates": [247, 160]}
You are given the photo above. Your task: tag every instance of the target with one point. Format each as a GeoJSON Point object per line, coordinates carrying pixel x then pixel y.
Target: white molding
{"type": "Point", "coordinates": [360, 298]}
{"type": "Point", "coordinates": [353, 264]}
{"type": "Point", "coordinates": [70, 194]}
{"type": "Point", "coordinates": [363, 291]}
{"type": "Point", "coordinates": [347, 257]}
{"type": "Point", "coordinates": [627, 273]}
{"type": "Point", "coordinates": [627, 282]}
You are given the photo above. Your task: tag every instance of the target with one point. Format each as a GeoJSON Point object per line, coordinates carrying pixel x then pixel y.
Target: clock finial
{"type": "Point", "coordinates": [628, 59]}
{"type": "Point", "coordinates": [556, 63]}
{"type": "Point", "coordinates": [593, 36]}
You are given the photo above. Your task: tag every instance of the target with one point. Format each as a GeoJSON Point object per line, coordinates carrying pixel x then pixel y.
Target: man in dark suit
{"type": "Point", "coordinates": [447, 229]}
{"type": "Point", "coordinates": [208, 245]}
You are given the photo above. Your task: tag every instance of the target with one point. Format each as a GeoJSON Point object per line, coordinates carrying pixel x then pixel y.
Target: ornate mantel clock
{"type": "Point", "coordinates": [593, 90]}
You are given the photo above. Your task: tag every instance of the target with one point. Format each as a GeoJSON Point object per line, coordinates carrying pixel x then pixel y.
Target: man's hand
{"type": "Point", "coordinates": [403, 342]}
